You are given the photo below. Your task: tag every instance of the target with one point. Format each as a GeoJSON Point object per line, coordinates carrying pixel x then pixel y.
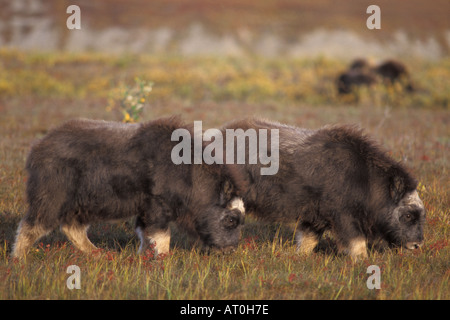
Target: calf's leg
{"type": "Point", "coordinates": [306, 240]}
{"type": "Point", "coordinates": [160, 237]}
{"type": "Point", "coordinates": [351, 241]}
{"type": "Point", "coordinates": [27, 234]}
{"type": "Point", "coordinates": [77, 234]}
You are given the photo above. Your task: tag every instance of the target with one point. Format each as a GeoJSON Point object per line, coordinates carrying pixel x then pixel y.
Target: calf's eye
{"type": "Point", "coordinates": [231, 222]}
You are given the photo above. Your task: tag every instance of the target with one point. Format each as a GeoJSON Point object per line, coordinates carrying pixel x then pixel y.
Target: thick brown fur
{"type": "Point", "coordinates": [87, 171]}
{"type": "Point", "coordinates": [361, 73]}
{"type": "Point", "coordinates": [334, 178]}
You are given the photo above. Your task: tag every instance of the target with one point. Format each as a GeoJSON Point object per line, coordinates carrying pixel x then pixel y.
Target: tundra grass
{"type": "Point", "coordinates": [219, 79]}
{"type": "Point", "coordinates": [259, 269]}
{"type": "Point", "coordinates": [266, 264]}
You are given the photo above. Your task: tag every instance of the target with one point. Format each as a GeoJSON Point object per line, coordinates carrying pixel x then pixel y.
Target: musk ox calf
{"type": "Point", "coordinates": [348, 80]}
{"type": "Point", "coordinates": [392, 71]}
{"type": "Point", "coordinates": [87, 171]}
{"type": "Point", "coordinates": [334, 178]}
{"type": "Point", "coordinates": [361, 73]}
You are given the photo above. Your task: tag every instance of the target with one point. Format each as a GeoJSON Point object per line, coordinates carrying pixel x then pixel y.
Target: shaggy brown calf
{"type": "Point", "coordinates": [361, 73]}
{"type": "Point", "coordinates": [393, 71]}
{"type": "Point", "coordinates": [335, 178]}
{"type": "Point", "coordinates": [347, 81]}
{"type": "Point", "coordinates": [87, 171]}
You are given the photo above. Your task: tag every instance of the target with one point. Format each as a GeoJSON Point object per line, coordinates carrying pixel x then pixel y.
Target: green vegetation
{"type": "Point", "coordinates": [217, 79]}
{"type": "Point", "coordinates": [130, 100]}
{"type": "Point", "coordinates": [39, 91]}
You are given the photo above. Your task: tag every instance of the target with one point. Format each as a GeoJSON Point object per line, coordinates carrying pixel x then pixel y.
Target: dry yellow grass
{"type": "Point", "coordinates": [39, 91]}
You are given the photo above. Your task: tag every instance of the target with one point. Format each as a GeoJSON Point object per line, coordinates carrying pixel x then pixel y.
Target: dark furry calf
{"type": "Point", "coordinates": [361, 73]}
{"type": "Point", "coordinates": [87, 171]}
{"type": "Point", "coordinates": [338, 179]}
{"type": "Point", "coordinates": [393, 71]}
{"type": "Point", "coordinates": [358, 74]}
{"type": "Point", "coordinates": [359, 64]}
{"type": "Point", "coordinates": [347, 81]}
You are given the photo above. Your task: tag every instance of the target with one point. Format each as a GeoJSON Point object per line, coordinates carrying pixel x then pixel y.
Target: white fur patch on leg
{"type": "Point", "coordinates": [358, 248]}
{"type": "Point", "coordinates": [26, 236]}
{"type": "Point", "coordinates": [78, 236]}
{"type": "Point", "coordinates": [161, 239]}
{"type": "Point", "coordinates": [306, 241]}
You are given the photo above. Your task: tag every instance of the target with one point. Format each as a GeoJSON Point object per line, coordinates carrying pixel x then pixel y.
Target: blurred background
{"type": "Point", "coordinates": [270, 28]}
{"type": "Point", "coordinates": [304, 62]}
{"type": "Point", "coordinates": [307, 63]}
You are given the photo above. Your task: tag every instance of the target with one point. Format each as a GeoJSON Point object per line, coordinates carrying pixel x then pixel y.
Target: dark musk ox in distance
{"type": "Point", "coordinates": [392, 71]}
{"type": "Point", "coordinates": [87, 171]}
{"type": "Point", "coordinates": [334, 178]}
{"type": "Point", "coordinates": [361, 73]}
{"type": "Point", "coordinates": [347, 81]}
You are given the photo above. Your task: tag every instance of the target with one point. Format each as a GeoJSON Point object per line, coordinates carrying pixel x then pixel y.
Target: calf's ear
{"type": "Point", "coordinates": [226, 192]}
{"type": "Point", "coordinates": [397, 188]}
{"type": "Point", "coordinates": [400, 183]}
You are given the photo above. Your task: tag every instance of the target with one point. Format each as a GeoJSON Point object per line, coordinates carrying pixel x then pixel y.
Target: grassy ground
{"type": "Point", "coordinates": [39, 91]}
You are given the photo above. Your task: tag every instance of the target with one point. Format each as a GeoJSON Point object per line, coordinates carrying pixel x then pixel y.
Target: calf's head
{"type": "Point", "coordinates": [220, 227]}
{"type": "Point", "coordinates": [410, 216]}
{"type": "Point", "coordinates": [406, 221]}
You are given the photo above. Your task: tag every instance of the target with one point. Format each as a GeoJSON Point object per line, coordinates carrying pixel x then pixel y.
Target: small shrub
{"type": "Point", "coordinates": [130, 101]}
